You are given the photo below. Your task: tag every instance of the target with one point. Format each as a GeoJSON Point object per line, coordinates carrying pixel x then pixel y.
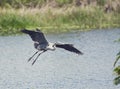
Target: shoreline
{"type": "Point", "coordinates": [56, 19]}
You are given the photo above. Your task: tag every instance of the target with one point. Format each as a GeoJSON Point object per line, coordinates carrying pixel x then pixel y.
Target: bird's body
{"type": "Point", "coordinates": [40, 47]}
{"type": "Point", "coordinates": [41, 44]}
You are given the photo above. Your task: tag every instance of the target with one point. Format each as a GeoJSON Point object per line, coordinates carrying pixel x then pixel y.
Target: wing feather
{"type": "Point", "coordinates": [68, 47]}
{"type": "Point", "coordinates": [36, 36]}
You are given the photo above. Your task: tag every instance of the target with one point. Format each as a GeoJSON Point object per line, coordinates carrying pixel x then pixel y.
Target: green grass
{"type": "Point", "coordinates": [117, 69]}
{"type": "Point", "coordinates": [56, 19]}
{"type": "Point", "coordinates": [117, 79]}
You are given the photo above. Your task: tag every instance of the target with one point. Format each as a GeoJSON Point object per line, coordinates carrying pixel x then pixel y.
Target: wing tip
{"type": "Point", "coordinates": [80, 53]}
{"type": "Point", "coordinates": [24, 30]}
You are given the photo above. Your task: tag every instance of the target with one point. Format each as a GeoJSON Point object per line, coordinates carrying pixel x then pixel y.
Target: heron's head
{"type": "Point", "coordinates": [51, 46]}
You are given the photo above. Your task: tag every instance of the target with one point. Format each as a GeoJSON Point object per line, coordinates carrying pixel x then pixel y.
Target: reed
{"type": "Point", "coordinates": [56, 19]}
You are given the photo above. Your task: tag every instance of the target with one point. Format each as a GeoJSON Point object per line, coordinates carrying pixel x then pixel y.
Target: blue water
{"type": "Point", "coordinates": [60, 69]}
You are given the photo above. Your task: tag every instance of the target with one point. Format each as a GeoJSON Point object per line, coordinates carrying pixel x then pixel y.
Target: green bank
{"type": "Point", "coordinates": [56, 19]}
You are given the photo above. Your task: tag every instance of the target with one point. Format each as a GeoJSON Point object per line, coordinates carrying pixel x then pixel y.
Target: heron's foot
{"type": "Point", "coordinates": [29, 59]}
{"type": "Point", "coordinates": [33, 62]}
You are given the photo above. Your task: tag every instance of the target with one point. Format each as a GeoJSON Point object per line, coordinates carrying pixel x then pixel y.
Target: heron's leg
{"type": "Point", "coordinates": [38, 56]}
{"type": "Point", "coordinates": [32, 56]}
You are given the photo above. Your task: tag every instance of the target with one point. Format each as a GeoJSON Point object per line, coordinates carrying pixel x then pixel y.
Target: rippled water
{"type": "Point", "coordinates": [60, 69]}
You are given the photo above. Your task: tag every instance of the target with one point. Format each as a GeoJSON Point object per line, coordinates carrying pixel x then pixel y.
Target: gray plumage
{"type": "Point", "coordinates": [41, 44]}
{"type": "Point", "coordinates": [68, 47]}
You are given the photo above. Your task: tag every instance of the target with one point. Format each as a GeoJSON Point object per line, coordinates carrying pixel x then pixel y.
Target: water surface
{"type": "Point", "coordinates": [60, 69]}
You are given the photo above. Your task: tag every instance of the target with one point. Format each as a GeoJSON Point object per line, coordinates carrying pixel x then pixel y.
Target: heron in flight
{"type": "Point", "coordinates": [42, 45]}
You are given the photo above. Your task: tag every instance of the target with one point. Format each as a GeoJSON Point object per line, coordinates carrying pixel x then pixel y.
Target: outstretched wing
{"type": "Point", "coordinates": [68, 47]}
{"type": "Point", "coordinates": [36, 36]}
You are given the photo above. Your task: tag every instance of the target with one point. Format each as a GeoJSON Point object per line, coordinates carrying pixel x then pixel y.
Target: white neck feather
{"type": "Point", "coordinates": [51, 46]}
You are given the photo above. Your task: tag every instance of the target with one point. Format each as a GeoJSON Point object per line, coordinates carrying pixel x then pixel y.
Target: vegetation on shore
{"type": "Point", "coordinates": [60, 16]}
{"type": "Point", "coordinates": [117, 68]}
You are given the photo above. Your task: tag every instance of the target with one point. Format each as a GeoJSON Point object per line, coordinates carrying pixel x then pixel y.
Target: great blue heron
{"type": "Point", "coordinates": [41, 44]}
